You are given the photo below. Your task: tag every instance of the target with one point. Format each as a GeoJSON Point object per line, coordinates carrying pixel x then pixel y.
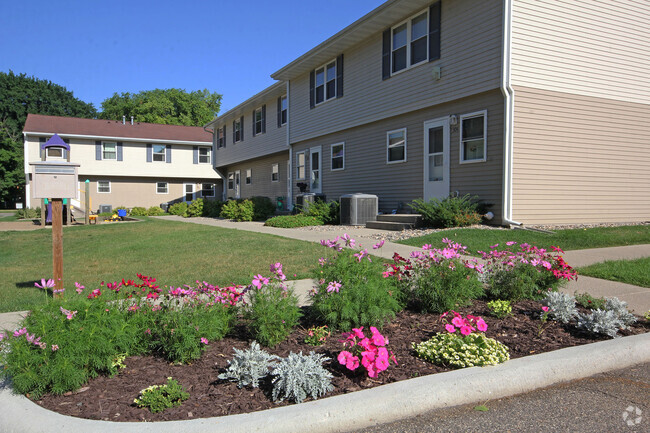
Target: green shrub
{"type": "Point", "coordinates": [138, 211]}
{"type": "Point", "coordinates": [179, 209]}
{"type": "Point", "coordinates": [157, 398]}
{"type": "Point", "coordinates": [500, 309]}
{"type": "Point", "coordinates": [28, 213]}
{"type": "Point", "coordinates": [233, 210]}
{"type": "Point", "coordinates": [195, 209]}
{"type": "Point", "coordinates": [459, 351]}
{"type": "Point", "coordinates": [522, 281]}
{"type": "Point", "coordinates": [155, 211]}
{"type": "Point", "coordinates": [273, 312]}
{"type": "Point", "coordinates": [212, 208]}
{"type": "Point", "coordinates": [249, 366]}
{"type": "Point", "coordinates": [263, 208]}
{"type": "Point", "coordinates": [448, 212]}
{"type": "Point", "coordinates": [291, 221]}
{"type": "Point", "coordinates": [328, 213]}
{"type": "Point", "coordinates": [587, 301]}
{"type": "Point", "coordinates": [105, 214]}
{"type": "Point", "coordinates": [364, 297]}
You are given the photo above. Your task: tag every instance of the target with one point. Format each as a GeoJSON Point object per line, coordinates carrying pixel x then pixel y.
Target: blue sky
{"type": "Point", "coordinates": [95, 49]}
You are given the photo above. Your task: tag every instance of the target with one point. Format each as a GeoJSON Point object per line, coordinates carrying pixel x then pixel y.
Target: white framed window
{"type": "Point", "coordinates": [249, 176]}
{"type": "Point", "coordinates": [259, 120]}
{"type": "Point", "coordinates": [205, 155]}
{"type": "Point", "coordinates": [55, 153]}
{"type": "Point", "coordinates": [325, 85]}
{"type": "Point", "coordinates": [159, 152]}
{"type": "Point", "coordinates": [300, 166]}
{"type": "Point", "coordinates": [237, 130]}
{"type": "Point", "coordinates": [207, 190]}
{"type": "Point", "coordinates": [283, 110]}
{"type": "Point", "coordinates": [221, 137]}
{"type": "Point", "coordinates": [396, 146]}
{"type": "Point", "coordinates": [410, 42]}
{"type": "Point", "coordinates": [103, 186]}
{"type": "Point", "coordinates": [275, 172]}
{"type": "Point", "coordinates": [338, 156]}
{"type": "Point", "coordinates": [473, 137]}
{"type": "Point", "coordinates": [109, 150]}
{"type": "Point", "coordinates": [231, 180]}
{"type": "Point", "coordinates": [162, 188]}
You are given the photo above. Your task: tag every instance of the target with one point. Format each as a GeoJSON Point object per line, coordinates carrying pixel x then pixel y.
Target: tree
{"type": "Point", "coordinates": [166, 106]}
{"type": "Point", "coordinates": [20, 95]}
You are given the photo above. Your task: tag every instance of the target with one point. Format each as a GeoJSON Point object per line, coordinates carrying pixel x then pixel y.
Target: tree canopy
{"type": "Point", "coordinates": [166, 106]}
{"type": "Point", "coordinates": [20, 95]}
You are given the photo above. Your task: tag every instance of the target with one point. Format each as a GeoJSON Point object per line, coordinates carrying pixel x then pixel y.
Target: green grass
{"type": "Point", "coordinates": [175, 253]}
{"type": "Point", "coordinates": [8, 215]}
{"type": "Point", "coordinates": [572, 239]}
{"type": "Point", "coordinates": [635, 272]}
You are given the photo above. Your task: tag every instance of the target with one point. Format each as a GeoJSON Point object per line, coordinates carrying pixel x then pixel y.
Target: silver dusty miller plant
{"type": "Point", "coordinates": [562, 307]}
{"type": "Point", "coordinates": [249, 366]}
{"type": "Point", "coordinates": [298, 376]}
{"type": "Point", "coordinates": [615, 316]}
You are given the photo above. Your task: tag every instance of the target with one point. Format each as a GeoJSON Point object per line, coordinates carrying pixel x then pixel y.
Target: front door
{"type": "Point", "coordinates": [316, 182]}
{"type": "Point", "coordinates": [436, 158]}
{"type": "Point", "coordinates": [237, 183]}
{"type": "Point", "coordinates": [188, 188]}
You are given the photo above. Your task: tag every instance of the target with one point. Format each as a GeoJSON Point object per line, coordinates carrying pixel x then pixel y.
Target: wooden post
{"type": "Point", "coordinates": [87, 202]}
{"type": "Point", "coordinates": [57, 244]}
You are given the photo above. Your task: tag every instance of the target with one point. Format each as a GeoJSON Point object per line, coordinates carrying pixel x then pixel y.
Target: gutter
{"type": "Point", "coordinates": [508, 115]}
{"type": "Point", "coordinates": [290, 168]}
{"type": "Point", "coordinates": [214, 160]}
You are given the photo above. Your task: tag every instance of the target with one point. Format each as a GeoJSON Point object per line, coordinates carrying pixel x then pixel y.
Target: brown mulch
{"type": "Point", "coordinates": [105, 398]}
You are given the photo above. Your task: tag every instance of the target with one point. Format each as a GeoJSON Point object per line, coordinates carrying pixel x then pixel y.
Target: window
{"type": "Point", "coordinates": [275, 172]}
{"type": "Point", "coordinates": [162, 188]}
{"type": "Point", "coordinates": [238, 130]}
{"type": "Point", "coordinates": [473, 132]}
{"type": "Point", "coordinates": [249, 176]}
{"type": "Point", "coordinates": [338, 156]}
{"type": "Point", "coordinates": [282, 110]}
{"type": "Point", "coordinates": [109, 150]}
{"type": "Point", "coordinates": [204, 155]}
{"type": "Point", "coordinates": [231, 180]}
{"type": "Point", "coordinates": [221, 137]}
{"type": "Point", "coordinates": [300, 166]}
{"type": "Point", "coordinates": [259, 120]}
{"type": "Point", "coordinates": [55, 153]}
{"type": "Point", "coordinates": [396, 146]}
{"type": "Point", "coordinates": [325, 82]}
{"type": "Point", "coordinates": [103, 186]}
{"type": "Point", "coordinates": [412, 42]}
{"type": "Point", "coordinates": [159, 152]}
{"type": "Point", "coordinates": [207, 190]}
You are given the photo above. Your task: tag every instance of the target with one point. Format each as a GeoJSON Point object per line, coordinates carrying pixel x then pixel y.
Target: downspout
{"type": "Point", "coordinates": [508, 115]}
{"type": "Point", "coordinates": [290, 174]}
{"type": "Point", "coordinates": [214, 165]}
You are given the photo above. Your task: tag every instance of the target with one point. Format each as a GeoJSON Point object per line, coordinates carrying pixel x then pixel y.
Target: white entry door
{"type": "Point", "coordinates": [436, 158]}
{"type": "Point", "coordinates": [188, 189]}
{"type": "Point", "coordinates": [315, 168]}
{"type": "Point", "coordinates": [237, 183]}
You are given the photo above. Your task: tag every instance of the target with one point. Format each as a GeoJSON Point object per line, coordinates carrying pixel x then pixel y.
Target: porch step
{"type": "Point", "coordinates": [389, 225]}
{"type": "Point", "coordinates": [414, 220]}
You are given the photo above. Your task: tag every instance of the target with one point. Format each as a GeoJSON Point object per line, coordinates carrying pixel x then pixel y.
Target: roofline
{"type": "Point", "coordinates": [106, 137]}
{"type": "Point", "coordinates": [259, 95]}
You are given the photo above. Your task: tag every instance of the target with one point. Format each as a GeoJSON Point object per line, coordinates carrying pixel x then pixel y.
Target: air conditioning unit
{"type": "Point", "coordinates": [357, 209]}
{"type": "Point", "coordinates": [105, 208]}
{"type": "Point", "coordinates": [304, 200]}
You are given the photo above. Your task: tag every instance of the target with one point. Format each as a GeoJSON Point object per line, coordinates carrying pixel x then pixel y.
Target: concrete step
{"type": "Point", "coordinates": [389, 225]}
{"type": "Point", "coordinates": [414, 219]}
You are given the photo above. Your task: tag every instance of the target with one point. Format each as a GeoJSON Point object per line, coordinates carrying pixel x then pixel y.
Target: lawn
{"type": "Point", "coordinates": [571, 239]}
{"type": "Point", "coordinates": [175, 253]}
{"type": "Point", "coordinates": [635, 272]}
{"type": "Point", "coordinates": [8, 215]}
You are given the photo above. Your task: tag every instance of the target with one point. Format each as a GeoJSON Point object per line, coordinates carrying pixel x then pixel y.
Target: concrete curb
{"type": "Point", "coordinates": [369, 407]}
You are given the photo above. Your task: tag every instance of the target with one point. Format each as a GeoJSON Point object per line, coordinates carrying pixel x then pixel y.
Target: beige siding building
{"type": "Point", "coordinates": [127, 164]}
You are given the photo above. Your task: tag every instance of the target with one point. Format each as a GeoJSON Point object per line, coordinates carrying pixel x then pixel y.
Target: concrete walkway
{"type": "Point", "coordinates": [401, 400]}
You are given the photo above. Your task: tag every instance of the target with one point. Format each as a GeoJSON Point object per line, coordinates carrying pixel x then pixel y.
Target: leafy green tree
{"type": "Point", "coordinates": [166, 106]}
{"type": "Point", "coordinates": [20, 95]}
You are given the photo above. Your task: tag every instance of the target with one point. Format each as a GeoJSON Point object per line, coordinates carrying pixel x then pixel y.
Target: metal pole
{"type": "Point", "coordinates": [57, 244]}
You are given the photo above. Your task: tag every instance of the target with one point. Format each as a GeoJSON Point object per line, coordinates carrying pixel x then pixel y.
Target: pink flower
{"type": "Point", "coordinates": [2, 336]}
{"type": "Point", "coordinates": [458, 321]}
{"type": "Point", "coordinates": [69, 314]}
{"type": "Point", "coordinates": [344, 356]}
{"type": "Point", "coordinates": [79, 287]}
{"type": "Point", "coordinates": [349, 242]}
{"type": "Point", "coordinates": [545, 309]}
{"type": "Point", "coordinates": [352, 363]}
{"type": "Point", "coordinates": [259, 281]}
{"type": "Point", "coordinates": [322, 261]}
{"type": "Point", "coordinates": [45, 284]}
{"type": "Point", "coordinates": [333, 286]}
{"type": "Point", "coordinates": [481, 325]}
{"type": "Point", "coordinates": [427, 247]}
{"type": "Point", "coordinates": [378, 245]}
{"type": "Point", "coordinates": [510, 243]}
{"type": "Point", "coordinates": [95, 293]}
{"type": "Point", "coordinates": [55, 347]}
{"type": "Point", "coordinates": [450, 328]}
{"type": "Point", "coordinates": [377, 338]}
{"type": "Point", "coordinates": [358, 332]}
{"type": "Point", "coordinates": [466, 329]}
{"type": "Point", "coordinates": [493, 246]}
{"type": "Point", "coordinates": [204, 340]}
{"type": "Point", "coordinates": [382, 363]}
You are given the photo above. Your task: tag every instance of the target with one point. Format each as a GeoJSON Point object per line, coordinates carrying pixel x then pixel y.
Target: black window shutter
{"type": "Point", "coordinates": [224, 136]}
{"type": "Point", "coordinates": [195, 155]}
{"type": "Point", "coordinates": [168, 157]}
{"type": "Point", "coordinates": [264, 118]}
{"type": "Point", "coordinates": [233, 132]}
{"type": "Point", "coordinates": [434, 31]}
{"type": "Point", "coordinates": [312, 87]}
{"type": "Point", "coordinates": [98, 150]}
{"type": "Point", "coordinates": [385, 57]}
{"type": "Point", "coordinates": [149, 152]}
{"type": "Point", "coordinates": [339, 76]}
{"type": "Point", "coordinates": [279, 111]}
{"type": "Point", "coordinates": [119, 151]}
{"type": "Point", "coordinates": [253, 123]}
{"type": "Point", "coordinates": [242, 128]}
